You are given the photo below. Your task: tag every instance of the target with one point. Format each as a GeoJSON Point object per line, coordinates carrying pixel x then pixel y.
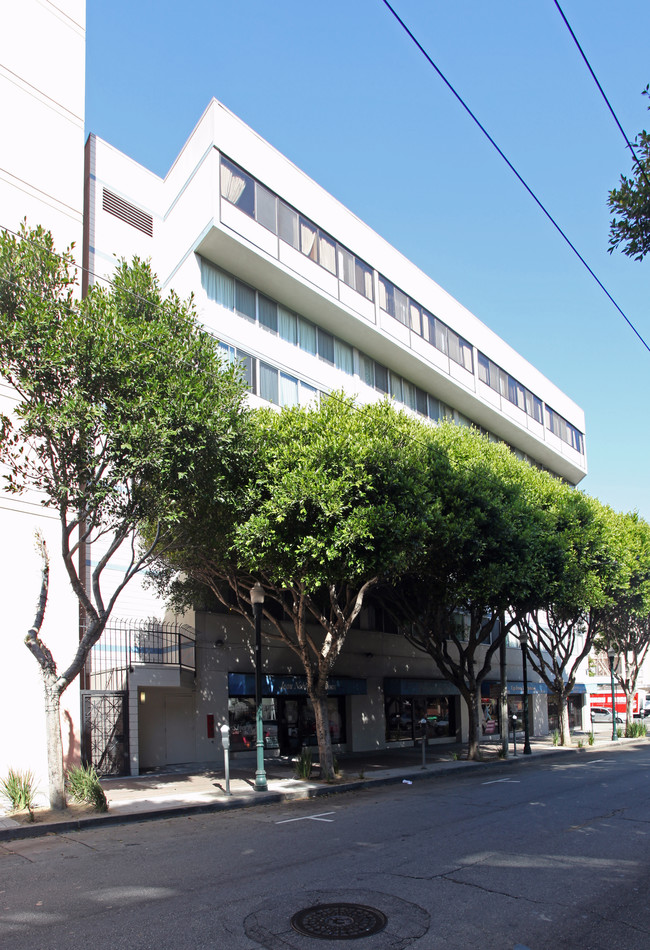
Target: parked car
{"type": "Point", "coordinates": [600, 714]}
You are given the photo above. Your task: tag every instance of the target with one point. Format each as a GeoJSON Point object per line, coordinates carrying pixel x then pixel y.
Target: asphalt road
{"type": "Point", "coordinates": [546, 854]}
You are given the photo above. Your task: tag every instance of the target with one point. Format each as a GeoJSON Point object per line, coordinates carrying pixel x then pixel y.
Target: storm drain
{"type": "Point", "coordinates": [339, 921]}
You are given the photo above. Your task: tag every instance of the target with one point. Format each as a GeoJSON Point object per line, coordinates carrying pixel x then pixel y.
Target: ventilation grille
{"type": "Point", "coordinates": [127, 212]}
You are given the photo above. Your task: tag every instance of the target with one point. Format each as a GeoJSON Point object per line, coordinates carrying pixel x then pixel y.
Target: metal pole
{"type": "Point", "coordinates": [503, 693]}
{"type": "Point", "coordinates": [225, 739]}
{"type": "Point", "coordinates": [524, 657]}
{"type": "Point", "coordinates": [611, 656]}
{"type": "Point", "coordinates": [514, 733]}
{"type": "Point", "coordinates": [260, 774]}
{"type": "Point", "coordinates": [423, 723]}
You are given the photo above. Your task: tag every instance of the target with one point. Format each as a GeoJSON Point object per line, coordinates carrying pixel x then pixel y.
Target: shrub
{"type": "Point", "coordinates": [556, 737]}
{"type": "Point", "coordinates": [19, 789]}
{"type": "Point", "coordinates": [590, 738]}
{"type": "Point", "coordinates": [635, 730]}
{"type": "Point", "coordinates": [303, 765]}
{"type": "Point", "coordinates": [82, 783]}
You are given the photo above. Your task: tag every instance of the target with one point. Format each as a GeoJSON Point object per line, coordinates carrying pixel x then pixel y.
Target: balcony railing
{"type": "Point", "coordinates": [126, 644]}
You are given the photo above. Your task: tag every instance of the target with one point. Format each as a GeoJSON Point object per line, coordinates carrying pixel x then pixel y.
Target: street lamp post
{"type": "Point", "coordinates": [257, 600]}
{"type": "Point", "coordinates": [611, 653]}
{"type": "Point", "coordinates": [524, 659]}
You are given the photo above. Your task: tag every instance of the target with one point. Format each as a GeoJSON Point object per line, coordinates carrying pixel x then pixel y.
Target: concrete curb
{"type": "Point", "coordinates": [251, 800]}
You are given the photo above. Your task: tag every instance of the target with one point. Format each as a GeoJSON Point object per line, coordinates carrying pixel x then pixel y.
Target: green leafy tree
{"type": "Point", "coordinates": [630, 203]}
{"type": "Point", "coordinates": [581, 586]}
{"type": "Point", "coordinates": [121, 405]}
{"type": "Point", "coordinates": [334, 505]}
{"type": "Point", "coordinates": [484, 529]}
{"type": "Point", "coordinates": [625, 624]}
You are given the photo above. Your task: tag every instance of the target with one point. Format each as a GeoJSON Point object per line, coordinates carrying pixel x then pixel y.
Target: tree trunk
{"type": "Point", "coordinates": [323, 736]}
{"type": "Point", "coordinates": [473, 701]}
{"type": "Point", "coordinates": [629, 714]}
{"type": "Point", "coordinates": [55, 775]}
{"type": "Point", "coordinates": [563, 717]}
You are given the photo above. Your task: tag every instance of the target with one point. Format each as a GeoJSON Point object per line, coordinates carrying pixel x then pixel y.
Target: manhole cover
{"type": "Point", "coordinates": [339, 921]}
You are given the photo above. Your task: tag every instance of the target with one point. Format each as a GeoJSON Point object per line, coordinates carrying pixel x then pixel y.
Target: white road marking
{"type": "Point", "coordinates": [514, 781]}
{"type": "Point", "coordinates": [319, 817]}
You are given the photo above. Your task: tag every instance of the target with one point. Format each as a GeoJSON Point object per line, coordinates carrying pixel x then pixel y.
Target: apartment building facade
{"type": "Point", "coordinates": [308, 299]}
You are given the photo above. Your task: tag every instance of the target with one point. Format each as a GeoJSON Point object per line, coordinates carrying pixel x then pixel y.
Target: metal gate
{"type": "Point", "coordinates": [105, 732]}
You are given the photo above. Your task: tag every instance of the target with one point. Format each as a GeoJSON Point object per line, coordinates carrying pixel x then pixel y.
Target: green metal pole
{"type": "Point", "coordinates": [260, 774]}
{"type": "Point", "coordinates": [611, 670]}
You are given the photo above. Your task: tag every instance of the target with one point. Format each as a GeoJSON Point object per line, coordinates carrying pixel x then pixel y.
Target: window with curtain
{"type": "Point", "coordinates": [396, 389]}
{"type": "Point", "coordinates": [237, 187]}
{"type": "Point", "coordinates": [343, 357]}
{"type": "Point", "coordinates": [416, 319]}
{"type": "Point", "coordinates": [307, 336]}
{"type": "Point", "coordinates": [268, 313]}
{"type": "Point", "coordinates": [409, 395]}
{"type": "Point", "coordinates": [367, 370]}
{"type": "Point", "coordinates": [326, 346]}
{"type": "Point", "coordinates": [247, 364]}
{"type": "Point", "coordinates": [308, 242]}
{"type": "Point", "coordinates": [244, 301]}
{"type": "Point", "coordinates": [288, 225]}
{"type": "Point", "coordinates": [421, 402]}
{"type": "Point", "coordinates": [265, 207]}
{"type": "Point", "coordinates": [288, 390]}
{"type": "Point", "coordinates": [381, 378]}
{"type": "Point", "coordinates": [307, 394]}
{"type": "Point", "coordinates": [326, 253]}
{"type": "Point", "coordinates": [484, 369]}
{"type": "Point", "coordinates": [433, 408]}
{"type": "Point", "coordinates": [401, 307]}
{"type": "Point", "coordinates": [218, 286]}
{"type": "Point", "coordinates": [386, 296]}
{"type": "Point", "coordinates": [363, 279]}
{"type": "Point", "coordinates": [346, 266]}
{"type": "Point", "coordinates": [288, 325]}
{"type": "Point", "coordinates": [441, 341]}
{"type": "Point", "coordinates": [269, 383]}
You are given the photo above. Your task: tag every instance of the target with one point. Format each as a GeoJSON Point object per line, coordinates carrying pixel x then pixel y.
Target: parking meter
{"type": "Point", "coordinates": [225, 742]}
{"type": "Point", "coordinates": [423, 723]}
{"type": "Point", "coordinates": [514, 731]}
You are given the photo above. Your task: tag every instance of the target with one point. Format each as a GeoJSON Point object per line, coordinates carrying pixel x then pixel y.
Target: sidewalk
{"type": "Point", "coordinates": [192, 789]}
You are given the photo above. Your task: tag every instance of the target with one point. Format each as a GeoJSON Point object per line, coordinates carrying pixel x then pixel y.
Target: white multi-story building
{"type": "Point", "coordinates": [42, 63]}
{"type": "Point", "coordinates": [310, 300]}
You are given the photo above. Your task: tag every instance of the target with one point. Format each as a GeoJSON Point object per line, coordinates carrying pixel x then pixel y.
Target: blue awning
{"type": "Point", "coordinates": [398, 686]}
{"type": "Point", "coordinates": [514, 687]}
{"type": "Point", "coordinates": [243, 684]}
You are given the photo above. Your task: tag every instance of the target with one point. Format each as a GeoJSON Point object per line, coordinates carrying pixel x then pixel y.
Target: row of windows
{"type": "Point", "coordinates": [508, 387]}
{"type": "Point", "coordinates": [248, 194]}
{"type": "Point", "coordinates": [400, 306]}
{"type": "Point", "coordinates": [251, 197]}
{"type": "Point", "coordinates": [271, 316]}
{"type": "Point", "coordinates": [564, 430]}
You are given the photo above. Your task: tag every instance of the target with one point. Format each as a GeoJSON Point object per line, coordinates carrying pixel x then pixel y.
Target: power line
{"type": "Point", "coordinates": [515, 172]}
{"type": "Point", "coordinates": [602, 92]}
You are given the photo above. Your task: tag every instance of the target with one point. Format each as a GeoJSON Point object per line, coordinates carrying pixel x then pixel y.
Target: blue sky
{"type": "Point", "coordinates": [341, 91]}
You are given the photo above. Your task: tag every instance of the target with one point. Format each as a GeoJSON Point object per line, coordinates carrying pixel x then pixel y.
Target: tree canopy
{"type": "Point", "coordinates": [334, 503]}
{"type": "Point", "coordinates": [121, 402]}
{"type": "Point", "coordinates": [630, 203]}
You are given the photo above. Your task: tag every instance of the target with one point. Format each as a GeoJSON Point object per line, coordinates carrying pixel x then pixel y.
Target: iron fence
{"type": "Point", "coordinates": [126, 644]}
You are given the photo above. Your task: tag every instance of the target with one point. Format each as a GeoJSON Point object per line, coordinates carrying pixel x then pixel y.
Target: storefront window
{"type": "Point", "coordinates": [404, 715]}
{"type": "Point", "coordinates": [289, 722]}
{"type": "Point", "coordinates": [242, 720]}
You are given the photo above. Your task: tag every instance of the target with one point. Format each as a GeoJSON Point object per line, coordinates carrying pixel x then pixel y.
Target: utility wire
{"type": "Point", "coordinates": [515, 172]}
{"type": "Point", "coordinates": [602, 92]}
